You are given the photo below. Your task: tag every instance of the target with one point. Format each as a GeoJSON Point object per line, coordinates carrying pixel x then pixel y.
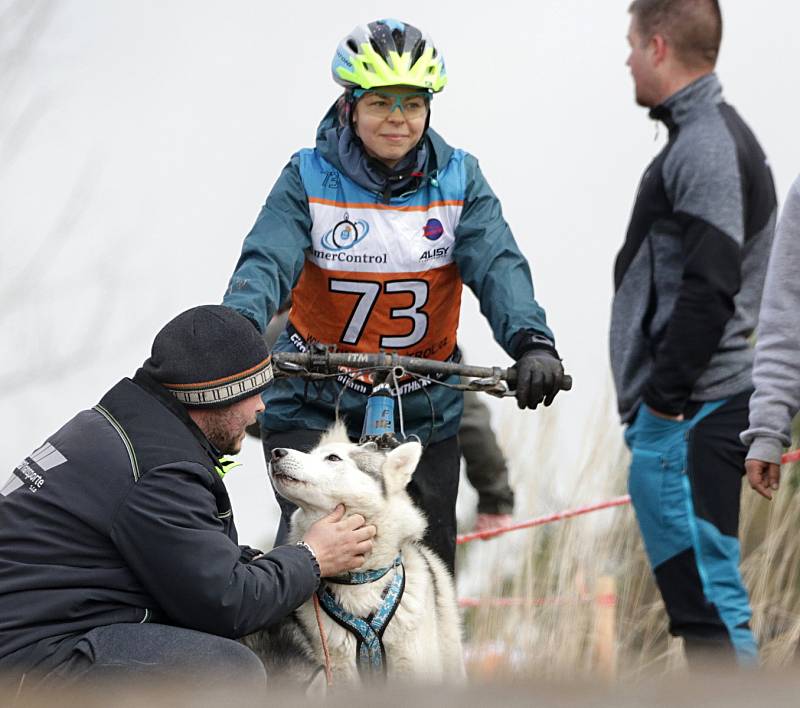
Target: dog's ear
{"type": "Point", "coordinates": [369, 446]}
{"type": "Point", "coordinates": [400, 465]}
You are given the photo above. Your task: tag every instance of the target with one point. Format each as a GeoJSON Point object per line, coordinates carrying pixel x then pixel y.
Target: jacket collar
{"type": "Point", "coordinates": [703, 92]}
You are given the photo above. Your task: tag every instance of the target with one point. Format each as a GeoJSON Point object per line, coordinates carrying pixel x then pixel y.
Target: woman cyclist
{"type": "Point", "coordinates": [372, 233]}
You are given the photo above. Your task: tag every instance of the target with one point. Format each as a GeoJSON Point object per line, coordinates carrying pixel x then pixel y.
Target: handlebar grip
{"type": "Point", "coordinates": [511, 380]}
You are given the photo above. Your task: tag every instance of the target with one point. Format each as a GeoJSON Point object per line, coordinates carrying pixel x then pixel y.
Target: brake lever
{"type": "Point", "coordinates": [493, 385]}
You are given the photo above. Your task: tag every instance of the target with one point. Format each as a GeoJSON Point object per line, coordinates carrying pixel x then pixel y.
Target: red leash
{"type": "Point", "coordinates": [324, 638]}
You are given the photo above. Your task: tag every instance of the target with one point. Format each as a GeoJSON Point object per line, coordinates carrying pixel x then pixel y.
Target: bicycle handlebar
{"type": "Point", "coordinates": [329, 362]}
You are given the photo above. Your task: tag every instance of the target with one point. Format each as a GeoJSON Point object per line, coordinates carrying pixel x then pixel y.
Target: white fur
{"type": "Point", "coordinates": [423, 639]}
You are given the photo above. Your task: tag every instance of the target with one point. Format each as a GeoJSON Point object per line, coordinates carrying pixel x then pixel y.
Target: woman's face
{"type": "Point", "coordinates": [388, 131]}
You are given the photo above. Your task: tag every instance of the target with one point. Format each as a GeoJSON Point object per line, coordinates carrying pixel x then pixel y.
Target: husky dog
{"type": "Point", "coordinates": [396, 616]}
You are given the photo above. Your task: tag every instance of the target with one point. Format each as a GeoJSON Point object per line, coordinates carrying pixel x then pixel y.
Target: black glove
{"type": "Point", "coordinates": [539, 377]}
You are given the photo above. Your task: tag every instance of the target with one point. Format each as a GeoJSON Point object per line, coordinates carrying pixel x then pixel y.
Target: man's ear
{"type": "Point", "coordinates": [400, 465]}
{"type": "Point", "coordinates": [659, 48]}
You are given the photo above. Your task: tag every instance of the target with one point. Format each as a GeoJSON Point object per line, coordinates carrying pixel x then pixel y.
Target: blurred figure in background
{"type": "Point", "coordinates": [688, 283]}
{"type": "Point", "coordinates": [776, 373]}
{"type": "Point", "coordinates": [486, 465]}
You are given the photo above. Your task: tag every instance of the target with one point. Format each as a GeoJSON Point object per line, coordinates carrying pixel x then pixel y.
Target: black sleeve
{"type": "Point", "coordinates": [246, 553]}
{"type": "Point", "coordinates": [711, 278]}
{"type": "Point", "coordinates": [168, 531]}
{"type": "Point", "coordinates": [485, 464]}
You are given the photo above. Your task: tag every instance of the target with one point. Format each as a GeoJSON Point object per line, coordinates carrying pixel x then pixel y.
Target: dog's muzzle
{"type": "Point", "coordinates": [282, 467]}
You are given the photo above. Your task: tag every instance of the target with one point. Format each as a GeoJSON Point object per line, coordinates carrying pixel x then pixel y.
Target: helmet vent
{"type": "Point", "coordinates": [399, 40]}
{"type": "Point", "coordinates": [417, 51]}
{"type": "Point", "coordinates": [352, 46]}
{"type": "Point", "coordinates": [378, 49]}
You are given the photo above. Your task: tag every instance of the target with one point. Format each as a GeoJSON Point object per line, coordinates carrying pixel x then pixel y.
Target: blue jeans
{"type": "Point", "coordinates": [685, 483]}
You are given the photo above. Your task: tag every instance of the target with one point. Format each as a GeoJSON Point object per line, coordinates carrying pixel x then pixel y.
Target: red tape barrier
{"type": "Point", "coordinates": [793, 456]}
{"type": "Point", "coordinates": [606, 600]}
{"type": "Point", "coordinates": [542, 520]}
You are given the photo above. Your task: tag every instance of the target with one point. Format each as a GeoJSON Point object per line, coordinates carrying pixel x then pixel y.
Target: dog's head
{"type": "Point", "coordinates": [361, 477]}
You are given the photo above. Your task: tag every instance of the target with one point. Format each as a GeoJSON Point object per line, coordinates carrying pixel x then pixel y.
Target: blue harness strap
{"type": "Point", "coordinates": [365, 576]}
{"type": "Point", "coordinates": [370, 652]}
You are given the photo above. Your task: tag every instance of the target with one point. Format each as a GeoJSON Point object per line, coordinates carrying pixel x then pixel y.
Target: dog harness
{"type": "Point", "coordinates": [370, 652]}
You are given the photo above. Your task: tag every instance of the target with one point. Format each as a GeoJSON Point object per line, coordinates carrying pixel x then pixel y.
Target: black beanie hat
{"type": "Point", "coordinates": [210, 356]}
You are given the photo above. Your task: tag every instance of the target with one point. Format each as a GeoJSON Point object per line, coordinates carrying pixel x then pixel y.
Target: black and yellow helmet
{"type": "Point", "coordinates": [388, 53]}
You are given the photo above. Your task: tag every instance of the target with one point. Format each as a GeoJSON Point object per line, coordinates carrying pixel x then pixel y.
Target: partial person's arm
{"type": "Point", "coordinates": [169, 532]}
{"type": "Point", "coordinates": [776, 373]}
{"type": "Point", "coordinates": [493, 267]}
{"type": "Point", "coordinates": [485, 464]}
{"type": "Point", "coordinates": [703, 181]}
{"type": "Point", "coordinates": [273, 252]}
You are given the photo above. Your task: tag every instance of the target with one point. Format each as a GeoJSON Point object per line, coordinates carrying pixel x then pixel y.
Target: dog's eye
{"type": "Point", "coordinates": [333, 458]}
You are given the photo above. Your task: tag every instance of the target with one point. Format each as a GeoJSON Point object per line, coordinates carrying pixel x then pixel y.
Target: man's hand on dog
{"type": "Point", "coordinates": [340, 544]}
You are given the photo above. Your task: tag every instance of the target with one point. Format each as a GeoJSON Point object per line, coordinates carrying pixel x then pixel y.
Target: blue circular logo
{"type": "Point", "coordinates": [433, 230]}
{"type": "Point", "coordinates": [345, 234]}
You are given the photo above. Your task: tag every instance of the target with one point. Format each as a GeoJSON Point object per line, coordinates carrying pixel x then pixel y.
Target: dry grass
{"type": "Point", "coordinates": [568, 566]}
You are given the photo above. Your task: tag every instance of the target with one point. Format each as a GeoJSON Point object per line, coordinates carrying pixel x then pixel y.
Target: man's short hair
{"type": "Point", "coordinates": [692, 27]}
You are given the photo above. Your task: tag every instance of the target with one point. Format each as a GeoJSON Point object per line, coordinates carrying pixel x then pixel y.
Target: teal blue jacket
{"type": "Point", "coordinates": [484, 250]}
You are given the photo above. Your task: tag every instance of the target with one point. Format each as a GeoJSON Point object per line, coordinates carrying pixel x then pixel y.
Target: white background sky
{"type": "Point", "coordinates": [138, 141]}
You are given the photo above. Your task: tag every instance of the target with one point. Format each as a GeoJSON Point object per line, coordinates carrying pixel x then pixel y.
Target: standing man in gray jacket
{"type": "Point", "coordinates": [688, 283]}
{"type": "Point", "coordinates": [776, 373]}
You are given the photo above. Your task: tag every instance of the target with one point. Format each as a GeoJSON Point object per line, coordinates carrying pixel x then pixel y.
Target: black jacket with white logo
{"type": "Point", "coordinates": [121, 516]}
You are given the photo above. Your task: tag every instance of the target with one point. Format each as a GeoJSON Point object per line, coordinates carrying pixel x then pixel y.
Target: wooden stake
{"type": "Point", "coordinates": [605, 627]}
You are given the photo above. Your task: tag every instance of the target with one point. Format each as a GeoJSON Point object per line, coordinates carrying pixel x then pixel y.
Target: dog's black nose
{"type": "Point", "coordinates": [278, 452]}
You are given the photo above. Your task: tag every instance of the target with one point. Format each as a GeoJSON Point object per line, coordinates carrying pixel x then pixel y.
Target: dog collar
{"type": "Point", "coordinates": [368, 631]}
{"type": "Point", "coordinates": [365, 576]}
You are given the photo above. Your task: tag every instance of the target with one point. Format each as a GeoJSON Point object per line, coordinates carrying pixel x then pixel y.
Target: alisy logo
{"type": "Point", "coordinates": [345, 234]}
{"type": "Point", "coordinates": [433, 230]}
{"type": "Point", "coordinates": [434, 254]}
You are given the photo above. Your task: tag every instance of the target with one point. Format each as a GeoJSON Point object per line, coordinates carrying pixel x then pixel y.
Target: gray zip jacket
{"type": "Point", "coordinates": [776, 373]}
{"type": "Point", "coordinates": [688, 279]}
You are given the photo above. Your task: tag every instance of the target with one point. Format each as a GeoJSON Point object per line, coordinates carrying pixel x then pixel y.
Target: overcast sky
{"type": "Point", "coordinates": [138, 141]}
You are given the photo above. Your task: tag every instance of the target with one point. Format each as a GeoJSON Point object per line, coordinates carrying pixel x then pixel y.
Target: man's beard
{"type": "Point", "coordinates": [224, 429]}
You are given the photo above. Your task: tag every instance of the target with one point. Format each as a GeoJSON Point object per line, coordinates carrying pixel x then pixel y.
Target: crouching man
{"type": "Point", "coordinates": [118, 552]}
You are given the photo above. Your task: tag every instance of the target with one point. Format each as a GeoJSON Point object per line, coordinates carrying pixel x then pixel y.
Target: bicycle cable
{"type": "Point", "coordinates": [399, 402]}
